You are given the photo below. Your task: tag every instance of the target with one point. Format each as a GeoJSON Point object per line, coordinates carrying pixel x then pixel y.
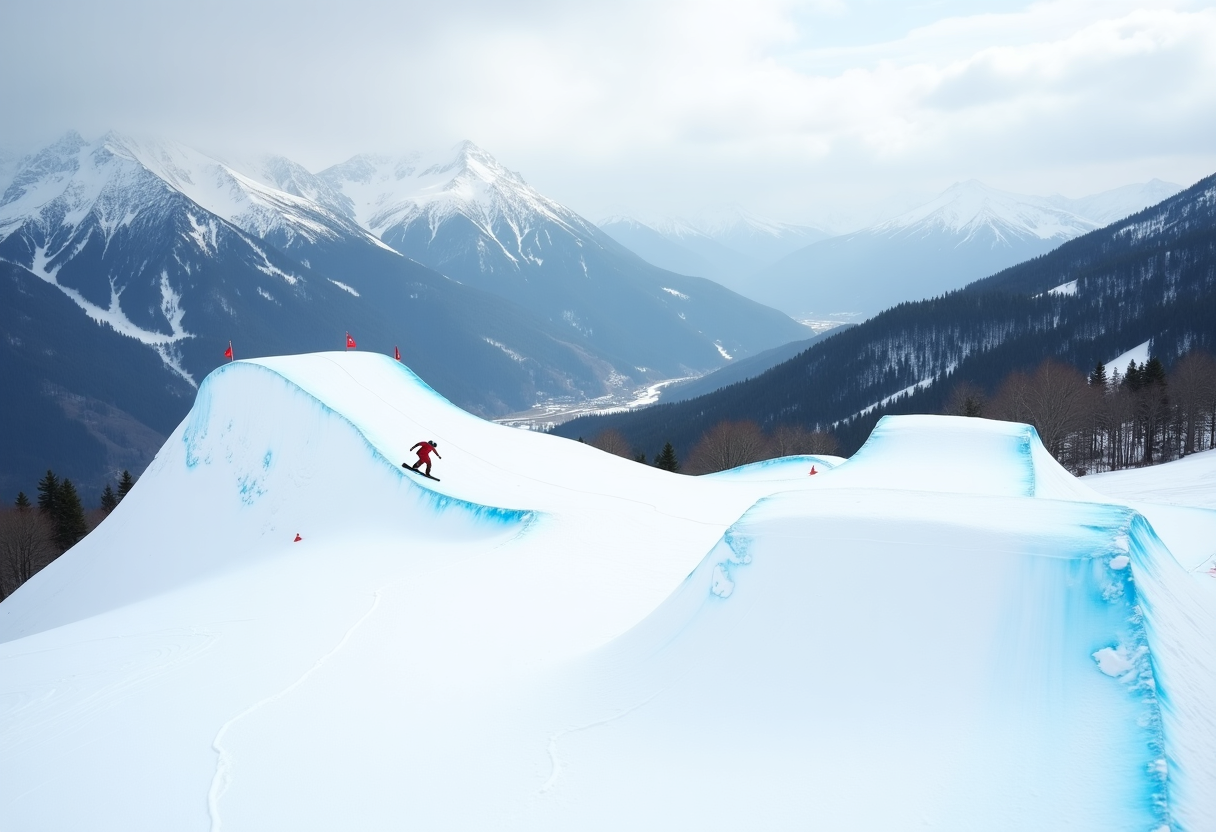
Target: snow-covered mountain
{"type": "Point", "coordinates": [464, 214]}
{"type": "Point", "coordinates": [1148, 278]}
{"type": "Point", "coordinates": [763, 239]}
{"type": "Point", "coordinates": [680, 248]}
{"type": "Point", "coordinates": [116, 243]}
{"type": "Point", "coordinates": [123, 241]}
{"type": "Point", "coordinates": [1118, 203]}
{"type": "Point", "coordinates": [280, 628]}
{"type": "Point", "coordinates": [975, 211]}
{"type": "Point", "coordinates": [728, 245]}
{"type": "Point", "coordinates": [968, 232]}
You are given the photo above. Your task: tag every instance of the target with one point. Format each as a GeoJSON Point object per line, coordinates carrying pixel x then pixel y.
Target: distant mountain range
{"type": "Point", "coordinates": [728, 245]}
{"type": "Point", "coordinates": [968, 232]}
{"type": "Point", "coordinates": [1150, 277]}
{"type": "Point", "coordinates": [128, 265]}
{"type": "Point", "coordinates": [470, 218]}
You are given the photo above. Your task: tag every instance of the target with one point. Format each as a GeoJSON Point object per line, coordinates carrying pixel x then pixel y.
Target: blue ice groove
{"type": "Point", "coordinates": [1146, 551]}
{"type": "Point", "coordinates": [1029, 436]}
{"type": "Point", "coordinates": [198, 421]}
{"type": "Point", "coordinates": [1104, 577]}
{"type": "Point", "coordinates": [738, 553]}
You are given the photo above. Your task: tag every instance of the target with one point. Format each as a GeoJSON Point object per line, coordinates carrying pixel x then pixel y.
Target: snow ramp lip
{"type": "Point", "coordinates": [956, 454]}
{"type": "Point", "coordinates": [438, 500]}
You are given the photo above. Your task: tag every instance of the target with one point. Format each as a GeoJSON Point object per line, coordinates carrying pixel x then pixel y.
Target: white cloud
{"type": "Point", "coordinates": [788, 108]}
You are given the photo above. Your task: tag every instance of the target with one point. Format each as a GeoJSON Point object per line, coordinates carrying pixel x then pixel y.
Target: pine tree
{"type": "Point", "coordinates": [109, 500]}
{"type": "Point", "coordinates": [23, 502]}
{"type": "Point", "coordinates": [1153, 372]}
{"type": "Point", "coordinates": [1133, 379]}
{"type": "Point", "coordinates": [666, 460]}
{"type": "Point", "coordinates": [640, 458]}
{"type": "Point", "coordinates": [125, 484]}
{"type": "Point", "coordinates": [1097, 378]}
{"type": "Point", "coordinates": [48, 495]}
{"type": "Point", "coordinates": [70, 525]}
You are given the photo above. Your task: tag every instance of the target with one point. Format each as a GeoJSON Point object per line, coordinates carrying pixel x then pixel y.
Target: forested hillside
{"type": "Point", "coordinates": [1151, 277]}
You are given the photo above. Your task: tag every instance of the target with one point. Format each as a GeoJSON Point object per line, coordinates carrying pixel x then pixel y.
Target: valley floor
{"type": "Point", "coordinates": [553, 412]}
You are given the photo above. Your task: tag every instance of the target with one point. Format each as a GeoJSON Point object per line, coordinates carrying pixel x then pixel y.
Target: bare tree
{"type": "Point", "coordinates": [965, 399]}
{"type": "Point", "coordinates": [727, 445]}
{"type": "Point", "coordinates": [1055, 400]}
{"type": "Point", "coordinates": [1193, 382]}
{"type": "Point", "coordinates": [27, 544]}
{"type": "Point", "coordinates": [613, 442]}
{"type": "Point", "coordinates": [788, 440]}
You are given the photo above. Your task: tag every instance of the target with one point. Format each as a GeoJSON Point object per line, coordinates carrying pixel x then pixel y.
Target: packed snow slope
{"type": "Point", "coordinates": [946, 630]}
{"type": "Point", "coordinates": [1190, 481]}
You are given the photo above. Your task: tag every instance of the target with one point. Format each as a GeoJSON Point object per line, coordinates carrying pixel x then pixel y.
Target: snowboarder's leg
{"type": "Point", "coordinates": [428, 467]}
{"type": "Point", "coordinates": [416, 464]}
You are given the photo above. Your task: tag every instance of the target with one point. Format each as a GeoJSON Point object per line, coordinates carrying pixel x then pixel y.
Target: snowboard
{"type": "Point", "coordinates": [419, 473]}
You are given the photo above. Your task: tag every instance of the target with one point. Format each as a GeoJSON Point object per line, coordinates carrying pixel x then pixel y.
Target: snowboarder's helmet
{"type": "Point", "coordinates": [431, 442]}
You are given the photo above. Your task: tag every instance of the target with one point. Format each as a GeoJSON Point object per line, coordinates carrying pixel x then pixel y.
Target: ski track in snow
{"type": "Point", "coordinates": [556, 761]}
{"type": "Point", "coordinates": [223, 765]}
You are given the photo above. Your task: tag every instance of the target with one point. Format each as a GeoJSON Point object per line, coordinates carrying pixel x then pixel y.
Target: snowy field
{"type": "Point", "coordinates": [1190, 481]}
{"type": "Point", "coordinates": [947, 631]}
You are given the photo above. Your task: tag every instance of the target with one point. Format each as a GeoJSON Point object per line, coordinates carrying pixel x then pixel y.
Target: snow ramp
{"type": "Point", "coordinates": [259, 459]}
{"type": "Point", "coordinates": [922, 640]}
{"type": "Point", "coordinates": [921, 636]}
{"type": "Point", "coordinates": [959, 455]}
{"type": "Point", "coordinates": [276, 551]}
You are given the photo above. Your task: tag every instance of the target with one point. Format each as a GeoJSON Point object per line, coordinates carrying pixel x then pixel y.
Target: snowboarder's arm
{"type": "Point", "coordinates": [436, 453]}
{"type": "Point", "coordinates": [416, 445]}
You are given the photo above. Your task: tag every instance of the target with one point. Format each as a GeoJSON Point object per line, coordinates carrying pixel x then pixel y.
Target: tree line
{"type": "Point", "coordinates": [1107, 420]}
{"type": "Point", "coordinates": [34, 534]}
{"type": "Point", "coordinates": [726, 445]}
{"type": "Point", "coordinates": [1101, 422]}
{"type": "Point", "coordinates": [1149, 277]}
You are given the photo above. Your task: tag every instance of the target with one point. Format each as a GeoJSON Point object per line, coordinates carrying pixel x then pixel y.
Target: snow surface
{"type": "Point", "coordinates": [946, 630]}
{"type": "Point", "coordinates": [78, 173]}
{"type": "Point", "coordinates": [1190, 481]}
{"type": "Point", "coordinates": [1138, 353]}
{"type": "Point", "coordinates": [1118, 203]}
{"type": "Point", "coordinates": [385, 193]}
{"type": "Point", "coordinates": [968, 207]}
{"type": "Point", "coordinates": [725, 224]}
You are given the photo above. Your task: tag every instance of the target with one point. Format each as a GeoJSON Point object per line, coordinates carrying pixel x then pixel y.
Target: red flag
{"type": "Point", "coordinates": [228, 352]}
{"type": "Point", "coordinates": [396, 353]}
{"type": "Point", "coordinates": [350, 342]}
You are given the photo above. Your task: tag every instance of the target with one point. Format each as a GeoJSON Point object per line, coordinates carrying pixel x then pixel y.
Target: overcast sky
{"type": "Point", "coordinates": [829, 112]}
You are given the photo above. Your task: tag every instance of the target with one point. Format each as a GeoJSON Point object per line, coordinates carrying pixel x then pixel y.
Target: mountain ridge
{"type": "Point", "coordinates": [1150, 276]}
{"type": "Point", "coordinates": [969, 231]}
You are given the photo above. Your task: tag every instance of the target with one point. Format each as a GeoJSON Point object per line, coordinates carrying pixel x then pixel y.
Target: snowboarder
{"type": "Point", "coordinates": [425, 449]}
